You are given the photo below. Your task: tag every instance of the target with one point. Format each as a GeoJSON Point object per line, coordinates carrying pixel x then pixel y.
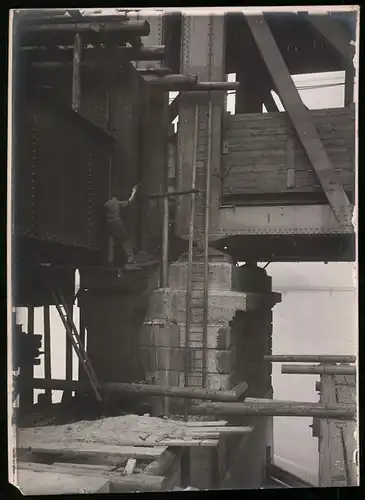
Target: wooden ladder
{"type": "Point", "coordinates": [77, 344]}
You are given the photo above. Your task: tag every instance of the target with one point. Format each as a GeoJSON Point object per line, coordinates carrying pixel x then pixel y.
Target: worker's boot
{"type": "Point", "coordinates": [130, 255]}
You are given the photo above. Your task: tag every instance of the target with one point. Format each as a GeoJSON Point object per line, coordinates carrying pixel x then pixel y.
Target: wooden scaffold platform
{"type": "Point", "coordinates": [115, 454]}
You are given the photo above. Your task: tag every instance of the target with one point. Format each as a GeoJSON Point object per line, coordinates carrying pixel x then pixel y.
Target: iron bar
{"type": "Point", "coordinates": [47, 350]}
{"type": "Point", "coordinates": [318, 369]}
{"type": "Point", "coordinates": [310, 358]}
{"type": "Point", "coordinates": [206, 244]}
{"type": "Point", "coordinates": [140, 389]}
{"type": "Point", "coordinates": [76, 74]}
{"type": "Point", "coordinates": [173, 193]}
{"type": "Point", "coordinates": [190, 257]}
{"type": "Point", "coordinates": [277, 409]}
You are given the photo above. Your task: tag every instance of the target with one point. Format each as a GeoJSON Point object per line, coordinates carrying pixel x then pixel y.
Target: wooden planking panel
{"type": "Point", "coordinates": [336, 440]}
{"type": "Point", "coordinates": [301, 119]}
{"type": "Point", "coordinates": [259, 155]}
{"type": "Point", "coordinates": [345, 386]}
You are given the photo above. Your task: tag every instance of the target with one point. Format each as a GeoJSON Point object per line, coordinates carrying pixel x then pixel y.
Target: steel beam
{"type": "Point", "coordinates": [202, 53]}
{"type": "Point", "coordinates": [289, 219]}
{"type": "Point", "coordinates": [301, 120]}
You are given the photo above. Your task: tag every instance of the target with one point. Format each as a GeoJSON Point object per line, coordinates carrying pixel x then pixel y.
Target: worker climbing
{"type": "Point", "coordinates": [116, 228]}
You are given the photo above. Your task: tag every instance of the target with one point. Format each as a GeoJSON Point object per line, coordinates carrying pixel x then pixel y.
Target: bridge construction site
{"type": "Point", "coordinates": [169, 210]}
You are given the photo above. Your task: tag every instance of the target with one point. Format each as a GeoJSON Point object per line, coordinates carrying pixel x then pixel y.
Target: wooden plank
{"type": "Point", "coordinates": [162, 465]}
{"type": "Point", "coordinates": [301, 119]}
{"type": "Point", "coordinates": [332, 31]}
{"type": "Point", "coordinates": [206, 423]}
{"type": "Point", "coordinates": [140, 482]}
{"type": "Point", "coordinates": [130, 466]}
{"type": "Point", "coordinates": [49, 483]}
{"type": "Point", "coordinates": [76, 449]}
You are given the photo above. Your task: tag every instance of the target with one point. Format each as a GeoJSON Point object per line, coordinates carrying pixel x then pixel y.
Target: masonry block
{"type": "Point", "coordinates": [218, 336]}
{"type": "Point", "coordinates": [222, 275]}
{"type": "Point", "coordinates": [160, 334]}
{"type": "Point", "coordinates": [219, 382]}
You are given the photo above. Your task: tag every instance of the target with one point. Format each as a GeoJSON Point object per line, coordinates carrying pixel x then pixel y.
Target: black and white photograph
{"type": "Point", "coordinates": [182, 249]}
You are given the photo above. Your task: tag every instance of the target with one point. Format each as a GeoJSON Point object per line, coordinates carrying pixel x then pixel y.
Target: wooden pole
{"type": "Point", "coordinates": [206, 243]}
{"type": "Point", "coordinates": [67, 394]}
{"type": "Point", "coordinates": [165, 244]}
{"type": "Point", "coordinates": [47, 350]}
{"type": "Point", "coordinates": [190, 257]}
{"type": "Point", "coordinates": [76, 74]}
{"type": "Point", "coordinates": [310, 358]}
{"type": "Point", "coordinates": [141, 389]}
{"type": "Point", "coordinates": [277, 409]}
{"type": "Point", "coordinates": [319, 369]}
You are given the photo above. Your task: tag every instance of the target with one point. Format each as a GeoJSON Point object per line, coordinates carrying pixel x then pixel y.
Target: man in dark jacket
{"type": "Point", "coordinates": [116, 228]}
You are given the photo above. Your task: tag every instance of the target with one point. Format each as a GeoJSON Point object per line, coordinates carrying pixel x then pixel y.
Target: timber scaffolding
{"type": "Point", "coordinates": [190, 358]}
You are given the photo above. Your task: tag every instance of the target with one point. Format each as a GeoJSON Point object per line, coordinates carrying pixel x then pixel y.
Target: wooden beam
{"type": "Point", "coordinates": [301, 120]}
{"type": "Point", "coordinates": [334, 33]}
{"type": "Point", "coordinates": [319, 369]}
{"type": "Point", "coordinates": [276, 409]}
{"type": "Point", "coordinates": [309, 358]}
{"type": "Point", "coordinates": [75, 451]}
{"type": "Point", "coordinates": [136, 482]}
{"type": "Point", "coordinates": [26, 392]}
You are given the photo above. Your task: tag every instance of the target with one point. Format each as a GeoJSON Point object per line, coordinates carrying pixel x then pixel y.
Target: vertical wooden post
{"type": "Point", "coordinates": [82, 332]}
{"type": "Point", "coordinates": [349, 83]}
{"type": "Point", "coordinates": [67, 394]}
{"type": "Point", "coordinates": [47, 350]}
{"type": "Point", "coordinates": [76, 73]}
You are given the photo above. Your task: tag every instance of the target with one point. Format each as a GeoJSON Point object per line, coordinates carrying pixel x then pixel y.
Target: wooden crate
{"type": "Point", "coordinates": [262, 155]}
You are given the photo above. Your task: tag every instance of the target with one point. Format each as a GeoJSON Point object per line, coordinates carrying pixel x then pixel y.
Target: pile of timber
{"type": "Point", "coordinates": [141, 463]}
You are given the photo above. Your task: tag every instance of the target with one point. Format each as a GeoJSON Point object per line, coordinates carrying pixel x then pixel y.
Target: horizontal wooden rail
{"type": "Point", "coordinates": [277, 409]}
{"type": "Point", "coordinates": [309, 358]}
{"type": "Point", "coordinates": [318, 369]}
{"type": "Point", "coordinates": [145, 389]}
